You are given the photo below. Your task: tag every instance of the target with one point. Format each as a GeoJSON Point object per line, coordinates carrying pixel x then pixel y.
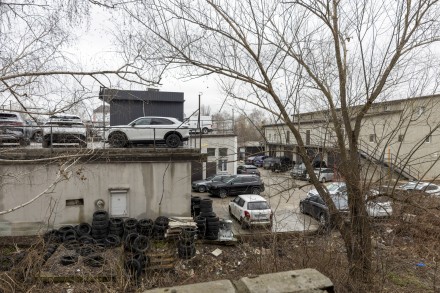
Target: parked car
{"type": "Point", "coordinates": [268, 163]}
{"type": "Point", "coordinates": [299, 172]}
{"type": "Point", "coordinates": [237, 184]}
{"type": "Point", "coordinates": [323, 174]}
{"type": "Point", "coordinates": [34, 130]}
{"type": "Point", "coordinates": [248, 169]}
{"type": "Point", "coordinates": [12, 129]}
{"type": "Point", "coordinates": [251, 210]}
{"type": "Point", "coordinates": [333, 189]}
{"type": "Point", "coordinates": [150, 129]}
{"type": "Point", "coordinates": [425, 187]}
{"type": "Point", "coordinates": [202, 185]}
{"type": "Point", "coordinates": [64, 128]}
{"type": "Point", "coordinates": [281, 164]}
{"type": "Point", "coordinates": [249, 160]}
{"type": "Point", "coordinates": [315, 207]}
{"type": "Point", "coordinates": [258, 161]}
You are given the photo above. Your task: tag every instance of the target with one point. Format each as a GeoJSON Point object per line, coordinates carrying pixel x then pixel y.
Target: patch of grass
{"type": "Point", "coordinates": [7, 250]}
{"type": "Point", "coordinates": [405, 280]}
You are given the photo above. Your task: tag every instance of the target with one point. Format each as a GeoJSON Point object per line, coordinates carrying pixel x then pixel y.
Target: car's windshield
{"type": "Point", "coordinates": [333, 187]}
{"type": "Point", "coordinates": [258, 205]}
{"type": "Point", "coordinates": [340, 202]}
{"type": "Point", "coordinates": [210, 178]}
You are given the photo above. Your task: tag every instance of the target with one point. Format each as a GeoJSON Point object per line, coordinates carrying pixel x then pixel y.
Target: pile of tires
{"type": "Point", "coordinates": [208, 223]}
{"type": "Point", "coordinates": [130, 227]}
{"type": "Point", "coordinates": [160, 227]}
{"type": "Point", "coordinates": [100, 226]}
{"type": "Point", "coordinates": [186, 247]}
{"type": "Point", "coordinates": [195, 206]}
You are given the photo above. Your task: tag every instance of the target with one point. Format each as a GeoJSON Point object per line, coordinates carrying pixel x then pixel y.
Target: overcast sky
{"type": "Point", "coordinates": [94, 49]}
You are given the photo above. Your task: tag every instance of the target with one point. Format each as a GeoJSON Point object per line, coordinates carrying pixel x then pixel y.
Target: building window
{"type": "Point", "coordinates": [222, 152]}
{"type": "Point", "coordinates": [269, 137]}
{"type": "Point", "coordinates": [288, 136]}
{"type": "Point", "coordinates": [400, 138]}
{"type": "Point", "coordinates": [307, 137]}
{"type": "Point", "coordinates": [387, 108]}
{"type": "Point", "coordinates": [210, 152]}
{"type": "Point", "coordinates": [372, 138]}
{"type": "Point", "coordinates": [422, 110]}
{"type": "Point", "coordinates": [222, 165]}
{"type": "Point", "coordinates": [428, 139]}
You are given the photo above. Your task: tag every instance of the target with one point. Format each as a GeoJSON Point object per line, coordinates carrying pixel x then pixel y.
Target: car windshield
{"type": "Point", "coordinates": [340, 201]}
{"type": "Point", "coordinates": [7, 116]}
{"type": "Point", "coordinates": [210, 178]}
{"type": "Point", "coordinates": [258, 205]}
{"type": "Point", "coordinates": [333, 187]}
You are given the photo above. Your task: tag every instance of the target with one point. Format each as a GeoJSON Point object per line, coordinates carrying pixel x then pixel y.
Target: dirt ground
{"type": "Point", "coordinates": [405, 258]}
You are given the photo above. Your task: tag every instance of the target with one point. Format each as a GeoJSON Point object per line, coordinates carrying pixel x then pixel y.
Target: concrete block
{"type": "Point", "coordinates": [221, 286]}
{"type": "Point", "coordinates": [306, 280]}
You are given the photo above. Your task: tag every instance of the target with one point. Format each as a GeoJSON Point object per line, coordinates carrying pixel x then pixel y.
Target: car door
{"type": "Point", "coordinates": [140, 130]}
{"type": "Point", "coordinates": [161, 127]}
{"type": "Point", "coordinates": [318, 206]}
{"type": "Point", "coordinates": [236, 186]}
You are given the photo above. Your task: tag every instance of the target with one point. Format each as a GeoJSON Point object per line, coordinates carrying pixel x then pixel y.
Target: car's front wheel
{"type": "Point", "coordinates": [118, 139]}
{"type": "Point", "coordinates": [243, 224]}
{"type": "Point", "coordinates": [172, 140]}
{"type": "Point", "coordinates": [205, 130]}
{"type": "Point", "coordinates": [323, 180]}
{"type": "Point", "coordinates": [202, 188]}
{"type": "Point", "coordinates": [322, 220]}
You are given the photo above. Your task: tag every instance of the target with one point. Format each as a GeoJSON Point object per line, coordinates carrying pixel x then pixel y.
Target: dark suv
{"type": "Point", "coordinates": [238, 184]}
{"type": "Point", "coordinates": [248, 169]}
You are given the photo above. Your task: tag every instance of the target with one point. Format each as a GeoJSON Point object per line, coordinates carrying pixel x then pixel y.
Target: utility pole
{"type": "Point", "coordinates": [198, 124]}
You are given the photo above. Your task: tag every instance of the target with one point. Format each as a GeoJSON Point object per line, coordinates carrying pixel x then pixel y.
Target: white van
{"type": "Point", "coordinates": [205, 124]}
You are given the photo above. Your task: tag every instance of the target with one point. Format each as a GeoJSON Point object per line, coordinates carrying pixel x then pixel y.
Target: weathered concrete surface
{"type": "Point", "coordinates": [298, 281]}
{"type": "Point", "coordinates": [156, 183]}
{"type": "Point", "coordinates": [291, 281]}
{"type": "Point", "coordinates": [221, 286]}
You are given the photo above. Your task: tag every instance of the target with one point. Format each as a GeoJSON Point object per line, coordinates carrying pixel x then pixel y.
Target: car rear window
{"type": "Point", "coordinates": [8, 116]}
{"type": "Point", "coordinates": [258, 205]}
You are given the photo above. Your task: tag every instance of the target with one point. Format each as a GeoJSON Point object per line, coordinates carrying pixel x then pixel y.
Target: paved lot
{"type": "Point", "coordinates": [283, 194]}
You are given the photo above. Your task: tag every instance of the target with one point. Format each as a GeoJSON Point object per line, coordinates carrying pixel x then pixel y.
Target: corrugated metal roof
{"type": "Point", "coordinates": [108, 95]}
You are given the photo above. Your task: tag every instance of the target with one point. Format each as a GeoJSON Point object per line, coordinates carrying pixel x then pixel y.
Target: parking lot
{"type": "Point", "coordinates": [283, 194]}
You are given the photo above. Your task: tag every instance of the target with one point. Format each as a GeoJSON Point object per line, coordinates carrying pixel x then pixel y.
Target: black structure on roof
{"type": "Point", "coordinates": [127, 105]}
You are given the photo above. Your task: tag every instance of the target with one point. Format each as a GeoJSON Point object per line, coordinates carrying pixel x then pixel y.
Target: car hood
{"type": "Point", "coordinates": [200, 181]}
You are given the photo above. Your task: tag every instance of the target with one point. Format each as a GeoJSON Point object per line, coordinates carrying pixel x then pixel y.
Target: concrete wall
{"type": "Point", "coordinates": [154, 187]}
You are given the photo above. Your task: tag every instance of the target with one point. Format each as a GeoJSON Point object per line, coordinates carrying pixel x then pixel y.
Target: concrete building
{"type": "Point", "coordinates": [402, 136]}
{"type": "Point", "coordinates": [138, 183]}
{"type": "Point", "coordinates": [125, 106]}
{"type": "Point", "coordinates": [221, 152]}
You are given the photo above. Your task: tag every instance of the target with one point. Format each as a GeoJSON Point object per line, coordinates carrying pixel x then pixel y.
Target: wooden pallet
{"type": "Point", "coordinates": [161, 261]}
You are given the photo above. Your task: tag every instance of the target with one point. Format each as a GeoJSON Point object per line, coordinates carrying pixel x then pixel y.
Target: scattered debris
{"type": "Point", "coordinates": [216, 252]}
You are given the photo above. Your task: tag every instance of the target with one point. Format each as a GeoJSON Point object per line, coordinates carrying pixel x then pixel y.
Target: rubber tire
{"type": "Point", "coordinates": [256, 190]}
{"type": "Point", "coordinates": [95, 261]}
{"type": "Point", "coordinates": [68, 259]}
{"type": "Point", "coordinates": [84, 229]}
{"type": "Point", "coordinates": [100, 216]}
{"type": "Point", "coordinates": [118, 139]}
{"type": "Point", "coordinates": [141, 244]}
{"type": "Point", "coordinates": [322, 220]}
{"type": "Point", "coordinates": [323, 180]}
{"type": "Point", "coordinates": [38, 137]}
{"type": "Point", "coordinates": [45, 143]}
{"type": "Point", "coordinates": [133, 267]}
{"type": "Point", "coordinates": [223, 193]}
{"type": "Point", "coordinates": [243, 224]}
{"type": "Point", "coordinates": [173, 140]}
{"type": "Point", "coordinates": [205, 130]}
{"type": "Point", "coordinates": [202, 188]}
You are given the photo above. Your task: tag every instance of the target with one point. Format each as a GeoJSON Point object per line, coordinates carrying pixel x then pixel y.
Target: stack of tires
{"type": "Point", "coordinates": [160, 227]}
{"type": "Point", "coordinates": [130, 227]}
{"type": "Point", "coordinates": [100, 226]}
{"type": "Point", "coordinates": [136, 245]}
{"type": "Point", "coordinates": [186, 247]}
{"type": "Point", "coordinates": [116, 227]}
{"type": "Point", "coordinates": [195, 206]}
{"type": "Point", "coordinates": [145, 227]}
{"type": "Point", "coordinates": [207, 222]}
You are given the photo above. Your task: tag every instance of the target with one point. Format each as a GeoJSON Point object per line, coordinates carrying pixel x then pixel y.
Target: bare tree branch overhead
{"type": "Point", "coordinates": [287, 56]}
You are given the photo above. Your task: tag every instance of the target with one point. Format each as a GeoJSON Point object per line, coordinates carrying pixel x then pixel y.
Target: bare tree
{"type": "Point", "coordinates": [287, 56]}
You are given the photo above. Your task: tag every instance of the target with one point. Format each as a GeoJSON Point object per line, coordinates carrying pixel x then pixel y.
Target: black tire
{"type": "Point", "coordinates": [95, 261]}
{"type": "Point", "coordinates": [129, 241]}
{"type": "Point", "coordinates": [172, 140]}
{"type": "Point", "coordinates": [255, 190]}
{"type": "Point", "coordinates": [51, 236]}
{"type": "Point", "coordinates": [100, 216]}
{"type": "Point", "coordinates": [141, 244]}
{"type": "Point", "coordinates": [230, 212]}
{"type": "Point", "coordinates": [118, 139]}
{"type": "Point", "coordinates": [205, 130]}
{"type": "Point", "coordinates": [45, 143]}
{"type": "Point", "coordinates": [202, 188]}
{"type": "Point", "coordinates": [112, 240]}
{"type": "Point", "coordinates": [223, 193]}
{"type": "Point", "coordinates": [162, 221]}
{"type": "Point", "coordinates": [243, 224]}
{"type": "Point", "coordinates": [116, 222]}
{"type": "Point", "coordinates": [142, 259]}
{"type": "Point", "coordinates": [207, 214]}
{"type": "Point", "coordinates": [69, 235]}
{"type": "Point", "coordinates": [86, 239]}
{"type": "Point", "coordinates": [38, 137]}
{"type": "Point", "coordinates": [195, 199]}
{"type": "Point", "coordinates": [83, 229]}
{"type": "Point", "coordinates": [211, 220]}
{"type": "Point", "coordinates": [206, 202]}
{"type": "Point", "coordinates": [133, 267]}
{"type": "Point", "coordinates": [85, 250]}
{"type": "Point", "coordinates": [71, 245]}
{"type": "Point", "coordinates": [323, 220]}
{"type": "Point", "coordinates": [68, 259]}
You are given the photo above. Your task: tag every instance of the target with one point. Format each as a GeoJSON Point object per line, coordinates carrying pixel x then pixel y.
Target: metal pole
{"type": "Point", "coordinates": [198, 126]}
